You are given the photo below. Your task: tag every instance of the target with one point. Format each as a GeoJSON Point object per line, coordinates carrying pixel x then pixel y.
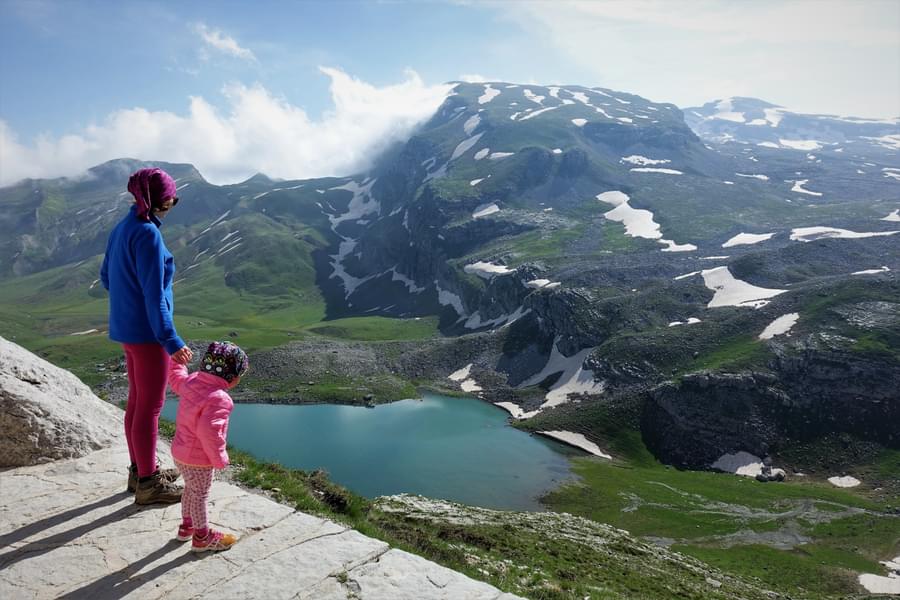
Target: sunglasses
{"type": "Point", "coordinates": [166, 208]}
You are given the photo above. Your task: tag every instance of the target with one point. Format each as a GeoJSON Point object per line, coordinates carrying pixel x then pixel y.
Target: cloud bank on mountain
{"type": "Point", "coordinates": [256, 131]}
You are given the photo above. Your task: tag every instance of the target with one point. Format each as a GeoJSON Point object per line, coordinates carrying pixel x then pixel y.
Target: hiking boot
{"type": "Point", "coordinates": [169, 475]}
{"type": "Point", "coordinates": [215, 541]}
{"type": "Point", "coordinates": [185, 532]}
{"type": "Point", "coordinates": [157, 490]}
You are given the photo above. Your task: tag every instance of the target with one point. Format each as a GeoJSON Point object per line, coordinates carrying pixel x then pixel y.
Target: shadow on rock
{"type": "Point", "coordinates": [121, 583]}
{"type": "Point", "coordinates": [43, 545]}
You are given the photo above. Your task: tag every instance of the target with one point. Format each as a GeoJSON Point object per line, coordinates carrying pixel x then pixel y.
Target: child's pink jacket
{"type": "Point", "coordinates": [201, 426]}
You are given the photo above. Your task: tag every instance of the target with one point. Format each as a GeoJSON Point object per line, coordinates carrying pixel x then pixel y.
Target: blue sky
{"type": "Point", "coordinates": [79, 76]}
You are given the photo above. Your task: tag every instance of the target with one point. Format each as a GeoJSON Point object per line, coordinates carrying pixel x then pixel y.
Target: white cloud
{"type": "Point", "coordinates": [824, 56]}
{"type": "Point", "coordinates": [475, 78]}
{"type": "Point", "coordinates": [257, 132]}
{"type": "Point", "coordinates": [223, 43]}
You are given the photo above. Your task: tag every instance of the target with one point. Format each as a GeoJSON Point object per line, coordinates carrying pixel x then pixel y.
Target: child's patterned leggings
{"type": "Point", "coordinates": [197, 481]}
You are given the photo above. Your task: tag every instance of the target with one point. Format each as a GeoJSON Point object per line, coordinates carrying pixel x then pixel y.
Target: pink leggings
{"type": "Point", "coordinates": [197, 481]}
{"type": "Point", "coordinates": [148, 366]}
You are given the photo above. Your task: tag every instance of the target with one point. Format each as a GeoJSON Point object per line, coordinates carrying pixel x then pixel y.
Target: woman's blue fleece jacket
{"type": "Point", "coordinates": [138, 270]}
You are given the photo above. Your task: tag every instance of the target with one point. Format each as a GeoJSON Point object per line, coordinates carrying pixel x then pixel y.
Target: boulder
{"type": "Point", "coordinates": [46, 413]}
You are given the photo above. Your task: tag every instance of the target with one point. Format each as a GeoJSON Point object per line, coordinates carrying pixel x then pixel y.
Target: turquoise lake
{"type": "Point", "coordinates": [459, 449]}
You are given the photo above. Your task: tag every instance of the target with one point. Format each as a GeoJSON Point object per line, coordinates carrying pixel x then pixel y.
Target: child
{"type": "Point", "coordinates": [201, 427]}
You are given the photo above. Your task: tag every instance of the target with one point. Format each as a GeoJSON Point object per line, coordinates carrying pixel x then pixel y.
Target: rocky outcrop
{"type": "Point", "coordinates": [818, 387]}
{"type": "Point", "coordinates": [46, 413]}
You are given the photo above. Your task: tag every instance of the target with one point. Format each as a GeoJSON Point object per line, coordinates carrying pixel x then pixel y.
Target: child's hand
{"type": "Point", "coordinates": [183, 356]}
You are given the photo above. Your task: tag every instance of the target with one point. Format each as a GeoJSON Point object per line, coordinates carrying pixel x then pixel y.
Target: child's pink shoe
{"type": "Point", "coordinates": [185, 532]}
{"type": "Point", "coordinates": [215, 541]}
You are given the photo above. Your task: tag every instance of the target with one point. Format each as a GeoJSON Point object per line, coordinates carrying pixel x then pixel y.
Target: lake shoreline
{"type": "Point", "coordinates": [438, 446]}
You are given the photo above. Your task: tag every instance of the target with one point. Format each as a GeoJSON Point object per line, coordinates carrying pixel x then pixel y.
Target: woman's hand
{"type": "Point", "coordinates": [183, 356]}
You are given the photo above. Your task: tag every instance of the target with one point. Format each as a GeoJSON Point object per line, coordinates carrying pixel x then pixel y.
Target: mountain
{"type": "Point", "coordinates": [615, 258]}
{"type": "Point", "coordinates": [700, 288]}
{"type": "Point", "coordinates": [753, 121]}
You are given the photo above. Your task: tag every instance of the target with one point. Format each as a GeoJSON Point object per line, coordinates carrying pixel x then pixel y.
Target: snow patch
{"type": "Point", "coordinates": [734, 292]}
{"type": "Point", "coordinates": [409, 283]}
{"type": "Point", "coordinates": [891, 141]}
{"type": "Point", "coordinates": [780, 326]}
{"type": "Point", "coordinates": [739, 463]}
{"type": "Point", "coordinates": [656, 170]}
{"type": "Point", "coordinates": [894, 216]}
{"type": "Point", "coordinates": [448, 298]}
{"type": "Point", "coordinates": [484, 210]}
{"type": "Point", "coordinates": [883, 269]}
{"type": "Point", "coordinates": [471, 123]}
{"type": "Point", "coordinates": [488, 95]}
{"type": "Point", "coordinates": [726, 113]}
{"type": "Point", "coordinates": [460, 374]}
{"type": "Point", "coordinates": [845, 482]}
{"type": "Point", "coordinates": [578, 440]}
{"type": "Point", "coordinates": [464, 146]}
{"type": "Point", "coordinates": [579, 122]}
{"type": "Point", "coordinates": [482, 153]}
{"type": "Point", "coordinates": [801, 144]}
{"type": "Point", "coordinates": [879, 584]}
{"type": "Point", "coordinates": [515, 410]}
{"type": "Point", "coordinates": [360, 205]}
{"type": "Point", "coordinates": [542, 283]}
{"type": "Point", "coordinates": [533, 97]}
{"type": "Point", "coordinates": [470, 385]}
{"type": "Point", "coordinates": [686, 275]}
{"type": "Point", "coordinates": [690, 321]}
{"type": "Point", "coordinates": [643, 161]}
{"type": "Point", "coordinates": [638, 222]}
{"type": "Point", "coordinates": [798, 187]}
{"type": "Point", "coordinates": [574, 378]}
{"type": "Point", "coordinates": [531, 115]}
{"type": "Point", "coordinates": [487, 270]}
{"type": "Point", "coordinates": [756, 176]}
{"type": "Point", "coordinates": [809, 234]}
{"type": "Point", "coordinates": [747, 238]}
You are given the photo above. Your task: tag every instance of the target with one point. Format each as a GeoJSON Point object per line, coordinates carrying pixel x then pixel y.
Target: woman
{"type": "Point", "coordinates": [138, 270]}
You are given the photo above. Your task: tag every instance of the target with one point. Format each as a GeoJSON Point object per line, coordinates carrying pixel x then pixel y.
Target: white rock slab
{"type": "Point", "coordinates": [399, 575]}
{"type": "Point", "coordinates": [46, 413]}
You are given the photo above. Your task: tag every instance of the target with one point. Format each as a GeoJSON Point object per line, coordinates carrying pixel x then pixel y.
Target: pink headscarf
{"type": "Point", "coordinates": [149, 188]}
